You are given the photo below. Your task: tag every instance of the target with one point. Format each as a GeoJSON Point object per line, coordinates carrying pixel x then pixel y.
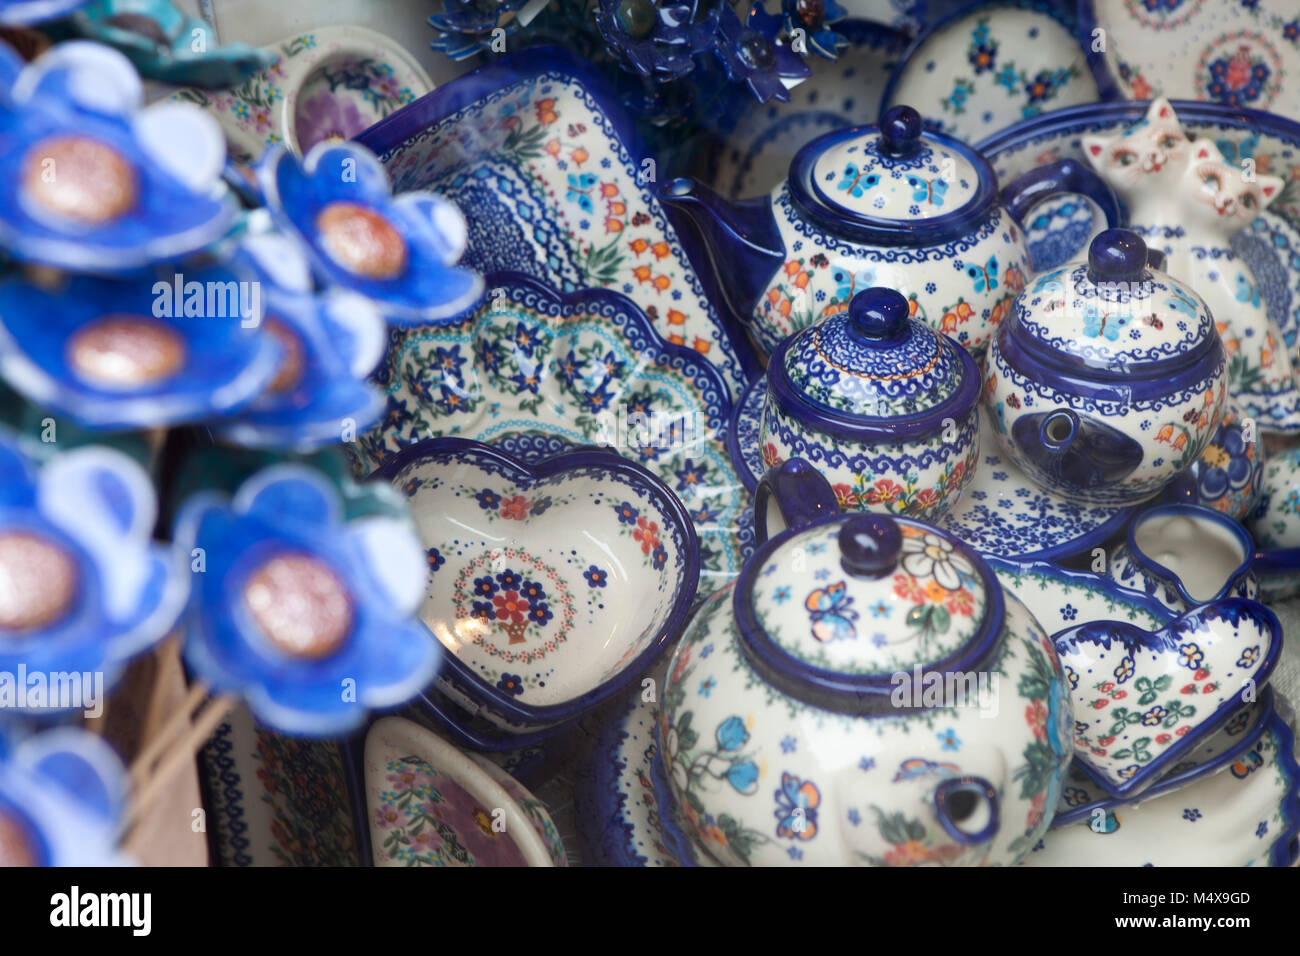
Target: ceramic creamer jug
{"type": "Point", "coordinates": [888, 206]}
{"type": "Point", "coordinates": [867, 694]}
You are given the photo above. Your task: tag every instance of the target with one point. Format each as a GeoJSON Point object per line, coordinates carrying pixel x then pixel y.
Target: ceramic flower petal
{"type": "Point", "coordinates": [62, 793]}
{"type": "Point", "coordinates": [100, 351]}
{"type": "Point", "coordinates": [341, 649]}
{"type": "Point", "coordinates": [404, 264]}
{"type": "Point", "coordinates": [90, 193]}
{"type": "Point", "coordinates": [22, 13]}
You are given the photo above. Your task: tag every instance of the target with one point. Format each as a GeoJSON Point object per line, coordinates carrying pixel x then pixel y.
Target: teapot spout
{"type": "Point", "coordinates": [1075, 452]}
{"type": "Point", "coordinates": [739, 247]}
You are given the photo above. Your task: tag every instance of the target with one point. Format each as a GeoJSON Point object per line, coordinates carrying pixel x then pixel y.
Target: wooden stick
{"type": "Point", "coordinates": [154, 711]}
{"type": "Point", "coordinates": [178, 723]}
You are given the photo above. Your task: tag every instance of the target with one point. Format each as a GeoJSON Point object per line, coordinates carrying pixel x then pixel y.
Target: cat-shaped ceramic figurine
{"type": "Point", "coordinates": [1187, 201]}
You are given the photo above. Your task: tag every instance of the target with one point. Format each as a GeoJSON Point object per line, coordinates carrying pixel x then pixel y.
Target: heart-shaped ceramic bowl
{"type": "Point", "coordinates": [1143, 699]}
{"type": "Point", "coordinates": [551, 585]}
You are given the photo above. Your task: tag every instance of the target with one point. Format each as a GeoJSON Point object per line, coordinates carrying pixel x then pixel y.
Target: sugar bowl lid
{"type": "Point", "coordinates": [873, 372]}
{"type": "Point", "coordinates": [834, 612]}
{"type": "Point", "coordinates": [1113, 313]}
{"type": "Point", "coordinates": [894, 183]}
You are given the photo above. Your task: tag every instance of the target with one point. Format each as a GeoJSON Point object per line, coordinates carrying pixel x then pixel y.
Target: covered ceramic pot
{"type": "Point", "coordinates": [892, 205]}
{"type": "Point", "coordinates": [866, 694]}
{"type": "Point", "coordinates": [1108, 379]}
{"type": "Point", "coordinates": [881, 404]}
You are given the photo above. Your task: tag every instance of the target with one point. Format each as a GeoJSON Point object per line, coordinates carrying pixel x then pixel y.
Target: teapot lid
{"type": "Point", "coordinates": [893, 183]}
{"type": "Point", "coordinates": [874, 371]}
{"type": "Point", "coordinates": [1112, 313]}
{"type": "Point", "coordinates": [834, 613]}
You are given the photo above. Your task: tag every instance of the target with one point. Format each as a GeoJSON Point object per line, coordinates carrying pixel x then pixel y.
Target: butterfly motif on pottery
{"type": "Point", "coordinates": [916, 767]}
{"type": "Point", "coordinates": [1246, 291]}
{"type": "Point", "coordinates": [832, 618]}
{"type": "Point", "coordinates": [1180, 302]}
{"type": "Point", "coordinates": [928, 190]}
{"type": "Point", "coordinates": [855, 183]}
{"type": "Point", "coordinates": [1154, 146]}
{"type": "Point", "coordinates": [984, 276]}
{"type": "Point", "coordinates": [1246, 765]}
{"type": "Point", "coordinates": [1097, 324]}
{"type": "Point", "coordinates": [846, 282]}
{"type": "Point", "coordinates": [580, 187]}
{"type": "Point", "coordinates": [796, 808]}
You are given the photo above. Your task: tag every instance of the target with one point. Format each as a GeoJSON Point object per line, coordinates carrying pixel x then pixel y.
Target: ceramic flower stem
{"type": "Point", "coordinates": [158, 742]}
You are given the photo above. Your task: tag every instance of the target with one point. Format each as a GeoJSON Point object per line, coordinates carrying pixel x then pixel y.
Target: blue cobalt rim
{"type": "Point", "coordinates": [1135, 786]}
{"type": "Point", "coordinates": [1085, 579]}
{"type": "Point", "coordinates": [866, 695]}
{"type": "Point", "coordinates": [804, 194]}
{"type": "Point", "coordinates": [1108, 87]}
{"type": "Point", "coordinates": [837, 424]}
{"type": "Point", "coordinates": [1167, 576]}
{"type": "Point", "coordinates": [1176, 780]}
{"type": "Point", "coordinates": [737, 454]}
{"type": "Point", "coordinates": [551, 717]}
{"type": "Point", "coordinates": [1088, 116]}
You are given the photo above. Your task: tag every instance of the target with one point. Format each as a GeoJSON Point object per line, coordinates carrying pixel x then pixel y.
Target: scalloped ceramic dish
{"type": "Point", "coordinates": [550, 585]}
{"type": "Point", "coordinates": [535, 371]}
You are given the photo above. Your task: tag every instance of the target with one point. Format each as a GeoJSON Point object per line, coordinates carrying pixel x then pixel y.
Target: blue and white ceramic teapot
{"type": "Point", "coordinates": [866, 694]}
{"type": "Point", "coordinates": [877, 206]}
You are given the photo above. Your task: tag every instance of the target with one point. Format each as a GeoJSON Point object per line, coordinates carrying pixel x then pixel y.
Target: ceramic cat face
{"type": "Point", "coordinates": [1224, 196]}
{"type": "Point", "coordinates": [1154, 149]}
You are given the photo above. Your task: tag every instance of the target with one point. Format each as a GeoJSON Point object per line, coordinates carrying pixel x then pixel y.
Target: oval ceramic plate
{"type": "Point", "coordinates": [1001, 513]}
{"type": "Point", "coordinates": [332, 83]}
{"type": "Point", "coordinates": [431, 805]}
{"type": "Point", "coordinates": [991, 64]}
{"type": "Point", "coordinates": [537, 813]}
{"type": "Point", "coordinates": [1235, 52]}
{"type": "Point", "coordinates": [840, 93]}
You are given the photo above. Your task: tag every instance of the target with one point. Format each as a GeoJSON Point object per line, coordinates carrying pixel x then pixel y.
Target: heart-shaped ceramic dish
{"type": "Point", "coordinates": [1143, 699]}
{"type": "Point", "coordinates": [551, 585]}
{"type": "Point", "coordinates": [534, 369]}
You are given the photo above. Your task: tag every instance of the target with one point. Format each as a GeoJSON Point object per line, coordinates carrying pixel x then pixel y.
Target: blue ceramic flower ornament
{"type": "Point", "coordinates": [465, 26]}
{"type": "Point", "coordinates": [137, 353]}
{"type": "Point", "coordinates": [750, 51]}
{"type": "Point", "coordinates": [24, 13]}
{"type": "Point", "coordinates": [306, 615]}
{"type": "Point", "coordinates": [97, 184]}
{"type": "Point", "coordinates": [83, 588]}
{"type": "Point", "coordinates": [62, 795]}
{"type": "Point", "coordinates": [331, 341]}
{"type": "Point", "coordinates": [814, 17]}
{"type": "Point", "coordinates": [168, 45]}
{"type": "Point", "coordinates": [651, 38]}
{"type": "Point", "coordinates": [398, 251]}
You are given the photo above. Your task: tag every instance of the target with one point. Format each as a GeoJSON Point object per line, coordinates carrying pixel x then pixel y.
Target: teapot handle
{"type": "Point", "coordinates": [1063, 176]}
{"type": "Point", "coordinates": [790, 496]}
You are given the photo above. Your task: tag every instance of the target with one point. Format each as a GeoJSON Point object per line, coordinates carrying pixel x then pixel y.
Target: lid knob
{"type": "Point", "coordinates": [1117, 255]}
{"type": "Point", "coordinates": [870, 545]}
{"type": "Point", "coordinates": [878, 314]}
{"type": "Point", "coordinates": [900, 131]}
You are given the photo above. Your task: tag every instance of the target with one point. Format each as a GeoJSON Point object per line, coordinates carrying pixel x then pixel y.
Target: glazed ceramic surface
{"type": "Point", "coordinates": [1237, 54]}
{"type": "Point", "coordinates": [882, 405]}
{"type": "Point", "coordinates": [1229, 474]}
{"type": "Point", "coordinates": [331, 83]}
{"type": "Point", "coordinates": [533, 808]}
{"type": "Point", "coordinates": [1188, 200]}
{"type": "Point", "coordinates": [536, 371]}
{"type": "Point", "coordinates": [555, 185]}
{"type": "Point", "coordinates": [1143, 699]}
{"type": "Point", "coordinates": [1275, 522]}
{"type": "Point", "coordinates": [431, 805]}
{"type": "Point", "coordinates": [1109, 378]}
{"type": "Point", "coordinates": [550, 586]}
{"type": "Point", "coordinates": [990, 65]}
{"type": "Point", "coordinates": [1060, 598]}
{"type": "Point", "coordinates": [1185, 555]}
{"type": "Point", "coordinates": [1245, 814]}
{"type": "Point", "coordinates": [783, 735]}
{"type": "Point", "coordinates": [1272, 143]}
{"type": "Point", "coordinates": [841, 93]}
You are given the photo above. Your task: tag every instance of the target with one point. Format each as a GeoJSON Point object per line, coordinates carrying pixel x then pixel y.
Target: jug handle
{"type": "Point", "coordinates": [790, 496]}
{"type": "Point", "coordinates": [1055, 179]}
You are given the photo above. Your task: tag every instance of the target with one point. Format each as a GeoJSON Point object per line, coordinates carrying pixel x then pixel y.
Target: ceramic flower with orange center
{"type": "Point", "coordinates": [97, 183]}
{"type": "Point", "coordinates": [62, 795]}
{"type": "Point", "coordinates": [83, 588]}
{"type": "Point", "coordinates": [400, 252]}
{"type": "Point", "coordinates": [308, 616]}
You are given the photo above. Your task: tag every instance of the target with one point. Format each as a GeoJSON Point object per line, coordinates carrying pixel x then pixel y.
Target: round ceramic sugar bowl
{"type": "Point", "coordinates": [884, 407]}
{"type": "Point", "coordinates": [867, 696]}
{"type": "Point", "coordinates": [1108, 379]}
